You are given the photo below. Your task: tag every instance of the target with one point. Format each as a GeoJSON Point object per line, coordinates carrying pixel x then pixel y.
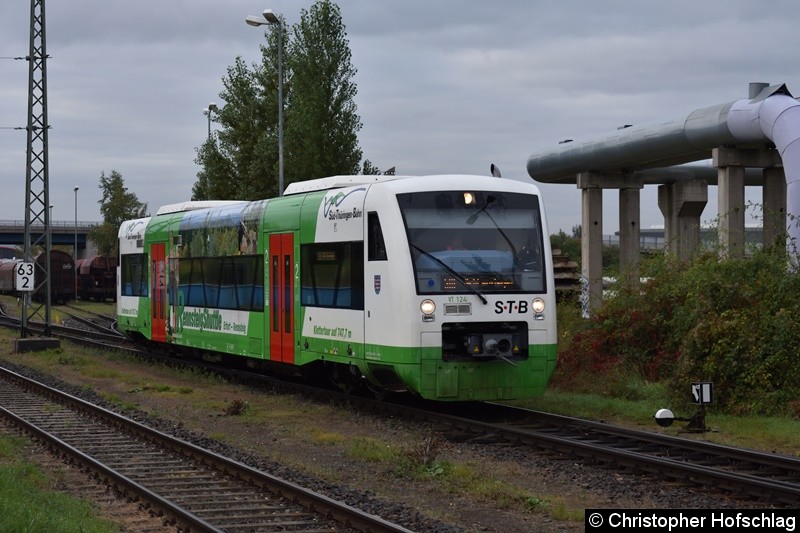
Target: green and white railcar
{"type": "Point", "coordinates": [440, 286]}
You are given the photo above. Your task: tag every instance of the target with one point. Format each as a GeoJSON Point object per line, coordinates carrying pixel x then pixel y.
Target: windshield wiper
{"type": "Point", "coordinates": [458, 276]}
{"type": "Point", "coordinates": [474, 216]}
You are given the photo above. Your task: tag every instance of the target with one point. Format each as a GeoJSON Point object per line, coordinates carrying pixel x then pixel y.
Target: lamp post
{"type": "Point", "coordinates": [212, 107]}
{"type": "Point", "coordinates": [271, 18]}
{"type": "Point", "coordinates": [75, 259]}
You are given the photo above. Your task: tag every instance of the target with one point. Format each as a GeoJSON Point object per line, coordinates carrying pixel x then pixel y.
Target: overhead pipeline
{"type": "Point", "coordinates": [773, 115]}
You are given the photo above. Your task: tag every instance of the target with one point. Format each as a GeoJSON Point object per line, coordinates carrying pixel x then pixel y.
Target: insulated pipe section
{"type": "Point", "coordinates": [653, 145]}
{"type": "Point", "coordinates": [633, 148]}
{"type": "Point", "coordinates": [778, 119]}
{"type": "Point", "coordinates": [773, 115]}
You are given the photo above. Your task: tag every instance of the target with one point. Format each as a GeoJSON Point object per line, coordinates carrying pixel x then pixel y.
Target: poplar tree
{"type": "Point", "coordinates": [228, 157]}
{"type": "Point", "coordinates": [322, 122]}
{"type": "Point", "coordinates": [240, 160]}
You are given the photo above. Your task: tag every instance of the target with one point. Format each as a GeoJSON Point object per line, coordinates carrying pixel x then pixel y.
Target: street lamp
{"type": "Point", "coordinates": [75, 259]}
{"type": "Point", "coordinates": [212, 107]}
{"type": "Point", "coordinates": [271, 18]}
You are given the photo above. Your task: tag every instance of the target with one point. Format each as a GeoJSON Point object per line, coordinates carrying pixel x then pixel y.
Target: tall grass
{"type": "Point", "coordinates": [28, 504]}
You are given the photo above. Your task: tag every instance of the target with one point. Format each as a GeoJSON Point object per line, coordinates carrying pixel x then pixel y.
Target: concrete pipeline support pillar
{"type": "Point", "coordinates": [730, 163]}
{"type": "Point", "coordinates": [591, 185]}
{"type": "Point", "coordinates": [591, 242]}
{"type": "Point", "coordinates": [682, 204]}
{"type": "Point", "coordinates": [774, 206]}
{"type": "Point", "coordinates": [629, 225]}
{"type": "Point", "coordinates": [730, 200]}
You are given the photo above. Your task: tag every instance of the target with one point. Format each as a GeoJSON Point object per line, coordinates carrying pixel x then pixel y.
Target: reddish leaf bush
{"type": "Point", "coordinates": [733, 322]}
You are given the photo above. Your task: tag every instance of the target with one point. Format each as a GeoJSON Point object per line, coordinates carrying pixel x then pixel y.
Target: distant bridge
{"type": "Point", "coordinates": [63, 234]}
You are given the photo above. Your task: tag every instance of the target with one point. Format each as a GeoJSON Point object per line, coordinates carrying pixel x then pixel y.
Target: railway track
{"type": "Point", "coordinates": [192, 488]}
{"type": "Point", "coordinates": [90, 332]}
{"type": "Point", "coordinates": [96, 321]}
{"type": "Point", "coordinates": [769, 478]}
{"type": "Point", "coordinates": [101, 318]}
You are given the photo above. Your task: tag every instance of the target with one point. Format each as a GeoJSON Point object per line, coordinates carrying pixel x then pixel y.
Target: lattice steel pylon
{"type": "Point", "coordinates": [37, 189]}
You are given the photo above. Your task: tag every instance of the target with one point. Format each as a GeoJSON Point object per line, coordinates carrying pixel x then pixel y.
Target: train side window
{"type": "Point", "coordinates": [133, 274]}
{"type": "Point", "coordinates": [332, 275]}
{"type": "Point", "coordinates": [223, 282]}
{"type": "Point", "coordinates": [376, 248]}
{"type": "Point", "coordinates": [212, 273]}
{"type": "Point", "coordinates": [190, 284]}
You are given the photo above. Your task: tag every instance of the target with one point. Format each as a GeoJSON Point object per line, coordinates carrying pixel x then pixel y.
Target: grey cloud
{"type": "Point", "coordinates": [444, 86]}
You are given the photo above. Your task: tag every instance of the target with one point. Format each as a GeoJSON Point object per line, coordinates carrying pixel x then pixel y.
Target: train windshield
{"type": "Point", "coordinates": [474, 241]}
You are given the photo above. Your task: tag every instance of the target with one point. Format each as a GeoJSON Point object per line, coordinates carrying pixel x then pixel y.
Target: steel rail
{"type": "Point", "coordinates": [786, 491]}
{"type": "Point", "coordinates": [88, 322]}
{"type": "Point", "coordinates": [185, 518]}
{"type": "Point", "coordinates": [729, 452]}
{"type": "Point", "coordinates": [314, 502]}
{"type": "Point", "coordinates": [674, 448]}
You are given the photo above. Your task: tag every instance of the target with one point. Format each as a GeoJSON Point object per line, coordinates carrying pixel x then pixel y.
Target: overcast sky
{"type": "Point", "coordinates": [445, 86]}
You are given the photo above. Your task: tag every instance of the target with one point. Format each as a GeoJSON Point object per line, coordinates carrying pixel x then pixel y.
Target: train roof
{"type": "Point", "coordinates": [194, 205]}
{"type": "Point", "coordinates": [337, 182]}
{"type": "Point", "coordinates": [299, 187]}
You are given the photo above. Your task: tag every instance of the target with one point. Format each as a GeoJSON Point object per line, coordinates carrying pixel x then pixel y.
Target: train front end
{"type": "Point", "coordinates": [460, 299]}
{"type": "Point", "coordinates": [133, 288]}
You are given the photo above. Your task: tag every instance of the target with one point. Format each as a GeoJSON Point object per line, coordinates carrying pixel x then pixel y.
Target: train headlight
{"type": "Point", "coordinates": [538, 306]}
{"type": "Point", "coordinates": [428, 307]}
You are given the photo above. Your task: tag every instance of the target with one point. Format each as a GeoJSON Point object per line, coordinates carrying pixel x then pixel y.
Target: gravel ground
{"type": "Point", "coordinates": [306, 442]}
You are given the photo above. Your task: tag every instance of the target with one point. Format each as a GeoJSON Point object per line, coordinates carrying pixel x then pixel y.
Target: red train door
{"type": "Point", "coordinates": [158, 286]}
{"type": "Point", "coordinates": [281, 297]}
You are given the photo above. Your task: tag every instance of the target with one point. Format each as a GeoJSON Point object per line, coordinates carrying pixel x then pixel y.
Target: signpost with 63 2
{"type": "Point", "coordinates": [24, 277]}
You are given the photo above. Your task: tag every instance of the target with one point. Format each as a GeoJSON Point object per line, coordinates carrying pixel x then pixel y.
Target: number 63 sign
{"type": "Point", "coordinates": [25, 276]}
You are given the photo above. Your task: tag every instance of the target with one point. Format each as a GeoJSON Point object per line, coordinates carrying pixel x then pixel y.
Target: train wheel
{"type": "Point", "coordinates": [378, 393]}
{"type": "Point", "coordinates": [346, 378]}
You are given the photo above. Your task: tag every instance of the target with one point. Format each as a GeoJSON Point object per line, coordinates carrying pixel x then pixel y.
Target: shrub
{"type": "Point", "coordinates": [733, 322]}
{"type": "Point", "coordinates": [236, 407]}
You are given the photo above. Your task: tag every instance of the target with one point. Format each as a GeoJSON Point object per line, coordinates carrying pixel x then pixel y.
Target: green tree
{"type": "Point", "coordinates": [233, 160]}
{"type": "Point", "coordinates": [240, 160]}
{"type": "Point", "coordinates": [321, 123]}
{"type": "Point", "coordinates": [117, 205]}
{"type": "Point", "coordinates": [368, 169]}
